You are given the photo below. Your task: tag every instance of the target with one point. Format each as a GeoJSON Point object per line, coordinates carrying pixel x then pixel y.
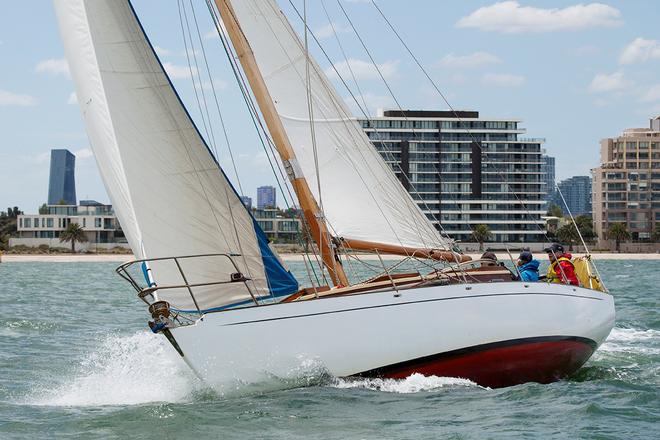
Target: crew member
{"type": "Point", "coordinates": [561, 268]}
{"type": "Point", "coordinates": [528, 267]}
{"type": "Point", "coordinates": [489, 259]}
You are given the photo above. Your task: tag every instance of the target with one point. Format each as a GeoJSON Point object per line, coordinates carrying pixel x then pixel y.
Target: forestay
{"type": "Point", "coordinates": [171, 197]}
{"type": "Point", "coordinates": [361, 197]}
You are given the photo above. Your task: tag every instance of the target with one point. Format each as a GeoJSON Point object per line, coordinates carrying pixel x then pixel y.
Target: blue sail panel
{"type": "Point", "coordinates": [280, 281]}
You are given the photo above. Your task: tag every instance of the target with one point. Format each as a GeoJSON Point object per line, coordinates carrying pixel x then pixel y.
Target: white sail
{"type": "Point", "coordinates": [361, 197]}
{"type": "Point", "coordinates": [171, 197]}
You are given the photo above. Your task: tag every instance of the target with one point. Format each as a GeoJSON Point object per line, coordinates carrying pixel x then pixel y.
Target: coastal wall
{"type": "Point", "coordinates": [55, 242]}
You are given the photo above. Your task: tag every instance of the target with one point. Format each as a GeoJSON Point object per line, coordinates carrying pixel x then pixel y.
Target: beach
{"type": "Point", "coordinates": [122, 258]}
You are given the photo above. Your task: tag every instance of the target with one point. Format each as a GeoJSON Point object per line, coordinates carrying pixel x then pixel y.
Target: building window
{"type": "Point", "coordinates": [97, 222]}
{"type": "Point", "coordinates": [49, 222]}
{"type": "Point", "coordinates": [28, 222]}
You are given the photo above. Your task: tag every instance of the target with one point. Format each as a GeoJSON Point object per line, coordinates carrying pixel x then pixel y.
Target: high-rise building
{"type": "Point", "coordinates": [247, 201]}
{"type": "Point", "coordinates": [577, 193]}
{"type": "Point", "coordinates": [266, 197]}
{"type": "Point", "coordinates": [464, 170]}
{"type": "Point", "coordinates": [62, 181]}
{"type": "Point", "coordinates": [548, 170]}
{"type": "Point", "coordinates": [626, 186]}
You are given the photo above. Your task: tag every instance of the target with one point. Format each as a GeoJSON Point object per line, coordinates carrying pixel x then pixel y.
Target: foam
{"type": "Point", "coordinates": [124, 370]}
{"type": "Point", "coordinates": [414, 383]}
{"type": "Point", "coordinates": [632, 340]}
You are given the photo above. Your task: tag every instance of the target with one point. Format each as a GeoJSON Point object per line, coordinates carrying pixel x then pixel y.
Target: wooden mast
{"type": "Point", "coordinates": [311, 210]}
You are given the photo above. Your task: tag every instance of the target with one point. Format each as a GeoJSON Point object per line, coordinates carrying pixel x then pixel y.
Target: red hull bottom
{"type": "Point", "coordinates": [501, 364]}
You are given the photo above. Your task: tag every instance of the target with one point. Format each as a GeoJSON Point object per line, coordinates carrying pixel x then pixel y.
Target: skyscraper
{"type": "Point", "coordinates": [266, 197]}
{"type": "Point", "coordinates": [548, 170]}
{"type": "Point", "coordinates": [247, 201]}
{"type": "Point", "coordinates": [62, 181]}
{"type": "Point", "coordinates": [577, 193]}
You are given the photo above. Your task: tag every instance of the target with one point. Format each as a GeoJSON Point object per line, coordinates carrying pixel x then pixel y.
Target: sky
{"type": "Point", "coordinates": [573, 72]}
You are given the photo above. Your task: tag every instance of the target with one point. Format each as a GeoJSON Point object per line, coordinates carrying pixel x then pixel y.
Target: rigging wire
{"type": "Point", "coordinates": [217, 101]}
{"type": "Point", "coordinates": [202, 108]}
{"type": "Point", "coordinates": [310, 107]}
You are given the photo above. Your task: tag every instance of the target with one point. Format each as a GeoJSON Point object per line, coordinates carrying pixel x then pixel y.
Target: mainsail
{"type": "Point", "coordinates": [171, 196]}
{"type": "Point", "coordinates": [362, 199]}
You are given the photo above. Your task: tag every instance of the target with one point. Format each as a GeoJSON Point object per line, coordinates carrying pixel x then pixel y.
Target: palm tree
{"type": "Point", "coordinates": [568, 234]}
{"type": "Point", "coordinates": [73, 233]}
{"type": "Point", "coordinates": [618, 232]}
{"type": "Point", "coordinates": [481, 233]}
{"type": "Point", "coordinates": [655, 236]}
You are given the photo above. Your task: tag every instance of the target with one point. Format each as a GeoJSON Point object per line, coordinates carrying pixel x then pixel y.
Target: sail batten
{"type": "Point", "coordinates": [171, 197]}
{"type": "Point", "coordinates": [362, 198]}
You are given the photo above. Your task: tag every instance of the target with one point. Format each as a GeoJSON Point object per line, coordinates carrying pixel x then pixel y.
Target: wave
{"type": "Point", "coordinates": [632, 334]}
{"type": "Point", "coordinates": [414, 383]}
{"type": "Point", "coordinates": [632, 340]}
{"type": "Point", "coordinates": [124, 370]}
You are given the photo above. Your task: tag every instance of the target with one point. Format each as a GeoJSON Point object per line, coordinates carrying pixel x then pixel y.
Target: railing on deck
{"type": "Point", "coordinates": [235, 277]}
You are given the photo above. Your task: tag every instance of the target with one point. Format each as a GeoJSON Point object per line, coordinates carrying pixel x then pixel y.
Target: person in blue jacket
{"type": "Point", "coordinates": [528, 267]}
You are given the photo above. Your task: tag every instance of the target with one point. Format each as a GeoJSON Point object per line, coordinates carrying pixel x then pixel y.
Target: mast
{"type": "Point", "coordinates": [311, 211]}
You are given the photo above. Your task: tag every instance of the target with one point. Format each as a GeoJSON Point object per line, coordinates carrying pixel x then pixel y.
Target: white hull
{"type": "Point", "coordinates": [497, 334]}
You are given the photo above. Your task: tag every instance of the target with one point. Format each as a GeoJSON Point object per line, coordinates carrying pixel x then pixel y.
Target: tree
{"type": "Point", "coordinates": [655, 235]}
{"type": "Point", "coordinates": [568, 234]}
{"type": "Point", "coordinates": [73, 233]}
{"type": "Point", "coordinates": [618, 232]}
{"type": "Point", "coordinates": [480, 234]}
{"type": "Point", "coordinates": [555, 211]}
{"type": "Point", "coordinates": [43, 209]}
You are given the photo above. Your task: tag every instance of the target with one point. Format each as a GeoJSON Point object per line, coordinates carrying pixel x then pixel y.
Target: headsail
{"type": "Point", "coordinates": [362, 199]}
{"type": "Point", "coordinates": [171, 196]}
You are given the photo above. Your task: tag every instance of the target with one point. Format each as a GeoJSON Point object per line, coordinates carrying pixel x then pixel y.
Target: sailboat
{"type": "Point", "coordinates": [223, 297]}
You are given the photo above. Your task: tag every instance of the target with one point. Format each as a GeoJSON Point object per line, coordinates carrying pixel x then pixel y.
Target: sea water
{"type": "Point", "coordinates": [77, 361]}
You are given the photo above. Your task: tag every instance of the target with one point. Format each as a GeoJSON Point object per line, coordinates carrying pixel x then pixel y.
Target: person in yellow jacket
{"type": "Point", "coordinates": [561, 269]}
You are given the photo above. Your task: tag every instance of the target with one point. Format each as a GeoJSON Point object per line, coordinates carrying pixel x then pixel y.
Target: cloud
{"type": "Point", "coordinates": [178, 72]}
{"type": "Point", "coordinates": [640, 50]}
{"type": "Point", "coordinates": [363, 70]}
{"type": "Point", "coordinates": [330, 29]}
{"type": "Point", "coordinates": [13, 99]}
{"type": "Point", "coordinates": [614, 82]}
{"type": "Point", "coordinates": [218, 84]}
{"type": "Point", "coordinates": [509, 17]}
{"type": "Point", "coordinates": [651, 95]}
{"type": "Point", "coordinates": [83, 154]}
{"type": "Point", "coordinates": [471, 61]}
{"type": "Point", "coordinates": [212, 34]}
{"type": "Point", "coordinates": [502, 80]}
{"type": "Point", "coordinates": [73, 98]}
{"type": "Point", "coordinates": [162, 52]}
{"type": "Point", "coordinates": [373, 102]}
{"type": "Point", "coordinates": [53, 67]}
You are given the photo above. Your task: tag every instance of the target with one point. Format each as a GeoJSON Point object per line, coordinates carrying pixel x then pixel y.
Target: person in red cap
{"type": "Point", "coordinates": [561, 268]}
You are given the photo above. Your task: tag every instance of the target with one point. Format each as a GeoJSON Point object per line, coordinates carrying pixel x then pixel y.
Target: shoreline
{"type": "Point", "coordinates": [122, 258]}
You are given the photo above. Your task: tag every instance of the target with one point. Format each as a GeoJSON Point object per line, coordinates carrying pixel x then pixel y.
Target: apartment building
{"type": "Point", "coordinates": [99, 222]}
{"type": "Point", "coordinates": [626, 186]}
{"type": "Point", "coordinates": [464, 170]}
